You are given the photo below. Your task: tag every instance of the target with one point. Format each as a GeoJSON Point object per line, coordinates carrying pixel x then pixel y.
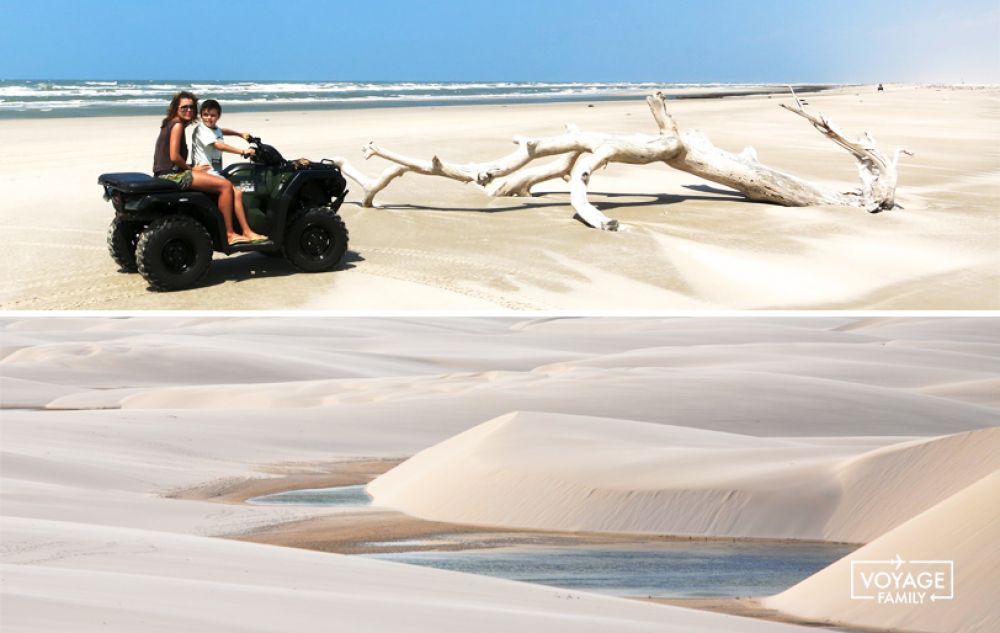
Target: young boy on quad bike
{"type": "Point", "coordinates": [208, 140]}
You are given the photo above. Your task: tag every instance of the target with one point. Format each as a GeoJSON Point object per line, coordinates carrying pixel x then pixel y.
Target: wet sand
{"type": "Point", "coordinates": [380, 531]}
{"type": "Point", "coordinates": [289, 476]}
{"type": "Point", "coordinates": [747, 608]}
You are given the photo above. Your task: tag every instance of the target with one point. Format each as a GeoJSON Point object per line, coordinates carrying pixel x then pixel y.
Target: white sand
{"type": "Point", "coordinates": [76, 577]}
{"type": "Point", "coordinates": [441, 245]}
{"type": "Point", "coordinates": [547, 471]}
{"type": "Point", "coordinates": [105, 417]}
{"type": "Point", "coordinates": [962, 529]}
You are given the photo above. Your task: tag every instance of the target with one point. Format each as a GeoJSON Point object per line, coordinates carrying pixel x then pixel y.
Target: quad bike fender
{"type": "Point", "coordinates": [311, 188]}
{"type": "Point", "coordinates": [190, 203]}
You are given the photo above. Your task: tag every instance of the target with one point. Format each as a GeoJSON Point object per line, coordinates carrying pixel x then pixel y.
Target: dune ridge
{"type": "Point", "coordinates": [963, 529]}
{"type": "Point", "coordinates": [546, 471]}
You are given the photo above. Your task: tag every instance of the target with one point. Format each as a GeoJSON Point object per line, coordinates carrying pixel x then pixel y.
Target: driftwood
{"type": "Point", "coordinates": [579, 154]}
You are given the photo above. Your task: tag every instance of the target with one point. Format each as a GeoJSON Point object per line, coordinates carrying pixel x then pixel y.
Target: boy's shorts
{"type": "Point", "coordinates": [182, 179]}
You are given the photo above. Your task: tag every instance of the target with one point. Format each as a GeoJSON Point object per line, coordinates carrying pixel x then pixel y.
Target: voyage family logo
{"type": "Point", "coordinates": [899, 581]}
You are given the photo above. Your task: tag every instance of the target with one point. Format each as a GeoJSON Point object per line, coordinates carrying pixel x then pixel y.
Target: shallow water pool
{"type": "Point", "coordinates": [666, 569]}
{"type": "Point", "coordinates": [341, 496]}
{"type": "Point", "coordinates": [678, 568]}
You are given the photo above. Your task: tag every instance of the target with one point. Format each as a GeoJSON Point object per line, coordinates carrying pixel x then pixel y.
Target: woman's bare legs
{"type": "Point", "coordinates": [224, 189]}
{"type": "Point", "coordinates": [241, 216]}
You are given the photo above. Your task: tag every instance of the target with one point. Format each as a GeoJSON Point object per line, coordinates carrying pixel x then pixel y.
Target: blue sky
{"type": "Point", "coordinates": [460, 40]}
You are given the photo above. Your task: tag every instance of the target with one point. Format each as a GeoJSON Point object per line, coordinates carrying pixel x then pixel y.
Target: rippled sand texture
{"type": "Point", "coordinates": [441, 245]}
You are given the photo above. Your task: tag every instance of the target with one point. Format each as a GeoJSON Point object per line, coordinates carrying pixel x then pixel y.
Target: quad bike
{"type": "Point", "coordinates": [168, 234]}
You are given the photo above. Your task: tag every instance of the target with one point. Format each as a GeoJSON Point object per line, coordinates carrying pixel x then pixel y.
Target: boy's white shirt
{"type": "Point", "coordinates": [203, 141]}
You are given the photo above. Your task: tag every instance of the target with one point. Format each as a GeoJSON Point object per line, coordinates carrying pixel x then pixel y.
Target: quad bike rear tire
{"type": "Point", "coordinates": [174, 253]}
{"type": "Point", "coordinates": [123, 237]}
{"type": "Point", "coordinates": [316, 240]}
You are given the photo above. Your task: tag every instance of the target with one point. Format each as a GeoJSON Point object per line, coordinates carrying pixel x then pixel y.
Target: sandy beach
{"type": "Point", "coordinates": [131, 445]}
{"type": "Point", "coordinates": [437, 245]}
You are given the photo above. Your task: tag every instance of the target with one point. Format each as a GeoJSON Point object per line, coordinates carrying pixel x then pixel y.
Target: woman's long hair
{"type": "Point", "coordinates": [175, 103]}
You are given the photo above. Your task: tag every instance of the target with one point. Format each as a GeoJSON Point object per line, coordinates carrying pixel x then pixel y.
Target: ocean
{"type": "Point", "coordinates": [49, 98]}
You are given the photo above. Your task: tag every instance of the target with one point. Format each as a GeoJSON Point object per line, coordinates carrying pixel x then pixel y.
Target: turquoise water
{"type": "Point", "coordinates": [342, 496]}
{"type": "Point", "coordinates": [672, 568]}
{"type": "Point", "coordinates": [678, 569]}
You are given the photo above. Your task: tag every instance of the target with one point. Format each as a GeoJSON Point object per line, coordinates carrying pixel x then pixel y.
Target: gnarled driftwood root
{"type": "Point", "coordinates": [579, 154]}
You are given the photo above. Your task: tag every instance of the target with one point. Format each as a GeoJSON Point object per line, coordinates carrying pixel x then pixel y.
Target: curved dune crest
{"type": "Point", "coordinates": [888, 486]}
{"type": "Point", "coordinates": [962, 529]}
{"type": "Point", "coordinates": [985, 391]}
{"type": "Point", "coordinates": [160, 361]}
{"type": "Point", "coordinates": [565, 472]}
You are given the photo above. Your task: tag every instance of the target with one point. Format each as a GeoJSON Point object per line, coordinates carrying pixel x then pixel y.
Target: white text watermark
{"type": "Point", "coordinates": [899, 581]}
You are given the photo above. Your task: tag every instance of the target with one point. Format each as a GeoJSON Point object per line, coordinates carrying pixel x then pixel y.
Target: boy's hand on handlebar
{"type": "Point", "coordinates": [247, 153]}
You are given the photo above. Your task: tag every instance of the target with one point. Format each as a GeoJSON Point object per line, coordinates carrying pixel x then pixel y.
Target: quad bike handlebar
{"type": "Point", "coordinates": [264, 154]}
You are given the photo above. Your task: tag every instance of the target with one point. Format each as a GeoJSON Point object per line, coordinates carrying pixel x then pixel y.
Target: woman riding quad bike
{"type": "Point", "coordinates": [168, 234]}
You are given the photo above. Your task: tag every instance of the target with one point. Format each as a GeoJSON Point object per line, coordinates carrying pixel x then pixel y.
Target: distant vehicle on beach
{"type": "Point", "coordinates": [168, 235]}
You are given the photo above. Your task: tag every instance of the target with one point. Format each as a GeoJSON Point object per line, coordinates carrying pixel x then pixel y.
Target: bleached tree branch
{"type": "Point", "coordinates": [580, 154]}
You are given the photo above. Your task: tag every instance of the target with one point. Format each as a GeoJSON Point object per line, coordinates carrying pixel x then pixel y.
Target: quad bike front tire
{"type": "Point", "coordinates": [123, 237]}
{"type": "Point", "coordinates": [316, 240]}
{"type": "Point", "coordinates": [174, 253]}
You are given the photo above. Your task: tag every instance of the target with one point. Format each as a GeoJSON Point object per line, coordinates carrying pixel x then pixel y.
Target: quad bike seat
{"type": "Point", "coordinates": [134, 182]}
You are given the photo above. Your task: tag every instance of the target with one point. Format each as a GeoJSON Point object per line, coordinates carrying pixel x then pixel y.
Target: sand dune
{"type": "Point", "coordinates": [436, 381]}
{"type": "Point", "coordinates": [84, 578]}
{"type": "Point", "coordinates": [962, 529]}
{"type": "Point", "coordinates": [809, 424]}
{"type": "Point", "coordinates": [671, 396]}
{"type": "Point", "coordinates": [546, 471]}
{"type": "Point", "coordinates": [18, 393]}
{"type": "Point", "coordinates": [985, 391]}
